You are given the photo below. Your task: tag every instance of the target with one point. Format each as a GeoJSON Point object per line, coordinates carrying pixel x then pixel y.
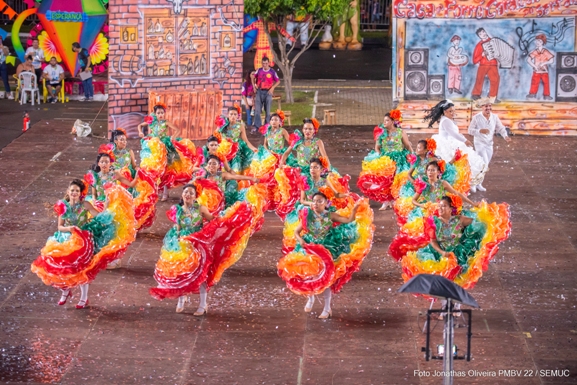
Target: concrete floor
{"type": "Point", "coordinates": [256, 331]}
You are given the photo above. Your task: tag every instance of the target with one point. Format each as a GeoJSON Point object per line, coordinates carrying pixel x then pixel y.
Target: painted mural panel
{"type": "Point", "coordinates": [184, 52]}
{"type": "Point", "coordinates": [506, 59]}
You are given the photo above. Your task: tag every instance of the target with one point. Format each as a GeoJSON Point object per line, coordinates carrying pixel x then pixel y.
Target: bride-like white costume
{"type": "Point", "coordinates": [449, 140]}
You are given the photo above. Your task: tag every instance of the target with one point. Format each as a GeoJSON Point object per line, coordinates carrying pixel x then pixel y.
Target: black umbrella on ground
{"type": "Point", "coordinates": [438, 286]}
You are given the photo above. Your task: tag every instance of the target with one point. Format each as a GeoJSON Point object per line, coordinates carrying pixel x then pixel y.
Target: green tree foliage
{"type": "Point", "coordinates": [276, 11]}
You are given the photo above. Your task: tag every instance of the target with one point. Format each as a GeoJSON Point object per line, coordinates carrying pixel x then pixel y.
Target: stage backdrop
{"type": "Point", "coordinates": [186, 53]}
{"type": "Point", "coordinates": [524, 59]}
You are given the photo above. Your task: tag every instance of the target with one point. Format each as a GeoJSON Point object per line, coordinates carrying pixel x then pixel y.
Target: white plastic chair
{"type": "Point", "coordinates": [29, 83]}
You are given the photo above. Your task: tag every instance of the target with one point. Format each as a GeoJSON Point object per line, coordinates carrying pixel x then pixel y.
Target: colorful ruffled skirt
{"type": "Point", "coordinates": [329, 262]}
{"type": "Point", "coordinates": [466, 262]}
{"type": "Point", "coordinates": [380, 172]}
{"type": "Point", "coordinates": [446, 148]}
{"type": "Point", "coordinates": [457, 175]}
{"type": "Point", "coordinates": [72, 259]}
{"type": "Point", "coordinates": [169, 161]}
{"type": "Point", "coordinates": [189, 260]}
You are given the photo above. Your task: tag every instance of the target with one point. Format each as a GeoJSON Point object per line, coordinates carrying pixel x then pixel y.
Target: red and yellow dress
{"type": "Point", "coordinates": [331, 254]}
{"type": "Point", "coordinates": [194, 252]}
{"type": "Point", "coordinates": [470, 248]}
{"type": "Point", "coordinates": [72, 259]}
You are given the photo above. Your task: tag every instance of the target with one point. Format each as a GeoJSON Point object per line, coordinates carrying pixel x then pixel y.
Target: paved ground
{"type": "Point", "coordinates": [12, 114]}
{"type": "Point", "coordinates": [256, 331]}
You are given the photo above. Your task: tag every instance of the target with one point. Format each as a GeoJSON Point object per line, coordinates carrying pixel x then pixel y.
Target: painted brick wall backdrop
{"type": "Point", "coordinates": [187, 54]}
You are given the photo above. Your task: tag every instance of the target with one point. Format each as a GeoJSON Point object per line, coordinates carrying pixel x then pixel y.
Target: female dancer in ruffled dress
{"type": "Point", "coordinates": [81, 247]}
{"type": "Point", "coordinates": [319, 222]}
{"type": "Point", "coordinates": [320, 257]}
{"type": "Point", "coordinates": [102, 173]}
{"type": "Point", "coordinates": [168, 160]}
{"type": "Point", "coordinates": [317, 182]}
{"type": "Point", "coordinates": [276, 137]}
{"type": "Point", "coordinates": [306, 146]}
{"type": "Point", "coordinates": [232, 132]}
{"type": "Point", "coordinates": [389, 159]}
{"type": "Point", "coordinates": [435, 188]}
{"type": "Point", "coordinates": [449, 140]}
{"type": "Point", "coordinates": [411, 216]}
{"type": "Point", "coordinates": [457, 245]}
{"type": "Point", "coordinates": [195, 254]}
{"type": "Point", "coordinates": [204, 152]}
{"type": "Point", "coordinates": [123, 156]}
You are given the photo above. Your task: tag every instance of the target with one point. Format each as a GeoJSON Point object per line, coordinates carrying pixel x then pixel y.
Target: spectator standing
{"type": "Point", "coordinates": [85, 72]}
{"type": "Point", "coordinates": [53, 73]}
{"type": "Point", "coordinates": [265, 81]}
{"type": "Point", "coordinates": [375, 13]}
{"type": "Point", "coordinates": [4, 53]}
{"type": "Point", "coordinates": [37, 58]}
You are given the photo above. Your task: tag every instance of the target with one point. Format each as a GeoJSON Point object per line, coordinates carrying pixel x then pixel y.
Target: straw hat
{"type": "Point", "coordinates": [483, 101]}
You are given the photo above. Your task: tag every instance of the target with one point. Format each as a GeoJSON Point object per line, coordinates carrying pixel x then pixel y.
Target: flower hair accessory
{"type": "Point", "coordinates": [456, 203]}
{"type": "Point", "coordinates": [442, 166]}
{"type": "Point", "coordinates": [238, 109]}
{"type": "Point", "coordinates": [122, 130]}
{"type": "Point", "coordinates": [107, 149]}
{"type": "Point", "coordinates": [149, 119]}
{"type": "Point", "coordinates": [431, 145]}
{"type": "Point", "coordinates": [324, 162]}
{"type": "Point", "coordinates": [397, 117]}
{"type": "Point", "coordinates": [197, 188]}
{"type": "Point", "coordinates": [316, 124]}
{"type": "Point", "coordinates": [281, 115]}
{"type": "Point", "coordinates": [161, 105]}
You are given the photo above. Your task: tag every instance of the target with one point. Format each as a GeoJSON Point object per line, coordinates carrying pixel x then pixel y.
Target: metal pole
{"type": "Point", "coordinates": [448, 348]}
{"type": "Point", "coordinates": [469, 334]}
{"type": "Point", "coordinates": [425, 326]}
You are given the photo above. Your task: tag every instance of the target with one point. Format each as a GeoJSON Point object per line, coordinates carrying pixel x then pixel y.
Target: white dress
{"type": "Point", "coordinates": [449, 139]}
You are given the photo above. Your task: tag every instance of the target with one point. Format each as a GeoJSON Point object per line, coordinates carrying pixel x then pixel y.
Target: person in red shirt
{"type": "Point", "coordinates": [487, 68]}
{"type": "Point", "coordinates": [539, 59]}
{"type": "Point", "coordinates": [265, 81]}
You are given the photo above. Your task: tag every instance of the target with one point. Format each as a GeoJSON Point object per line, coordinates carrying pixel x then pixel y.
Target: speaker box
{"type": "Point", "coordinates": [437, 87]}
{"type": "Point", "coordinates": [566, 77]}
{"type": "Point", "coordinates": [416, 84]}
{"type": "Point", "coordinates": [417, 58]}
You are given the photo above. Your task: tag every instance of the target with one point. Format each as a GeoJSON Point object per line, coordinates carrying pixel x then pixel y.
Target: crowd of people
{"type": "Point", "coordinates": [47, 71]}
{"type": "Point", "coordinates": [229, 183]}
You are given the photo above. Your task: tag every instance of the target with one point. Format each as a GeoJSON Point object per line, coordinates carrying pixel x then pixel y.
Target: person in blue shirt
{"type": "Point", "coordinates": [85, 72]}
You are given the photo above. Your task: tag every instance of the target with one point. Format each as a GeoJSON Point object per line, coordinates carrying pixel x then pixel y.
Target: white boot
{"type": "Point", "coordinates": [180, 304]}
{"type": "Point", "coordinates": [327, 312]}
{"type": "Point", "coordinates": [11, 96]}
{"type": "Point", "coordinates": [473, 189]}
{"type": "Point", "coordinates": [310, 303]}
{"type": "Point", "coordinates": [202, 306]}
{"type": "Point", "coordinates": [481, 188]}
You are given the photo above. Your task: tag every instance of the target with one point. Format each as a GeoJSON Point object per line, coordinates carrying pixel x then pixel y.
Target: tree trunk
{"type": "Point", "coordinates": [288, 87]}
{"type": "Point", "coordinates": [287, 65]}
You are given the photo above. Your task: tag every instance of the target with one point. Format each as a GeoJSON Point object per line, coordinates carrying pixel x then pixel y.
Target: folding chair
{"type": "Point", "coordinates": [61, 94]}
{"type": "Point", "coordinates": [28, 83]}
